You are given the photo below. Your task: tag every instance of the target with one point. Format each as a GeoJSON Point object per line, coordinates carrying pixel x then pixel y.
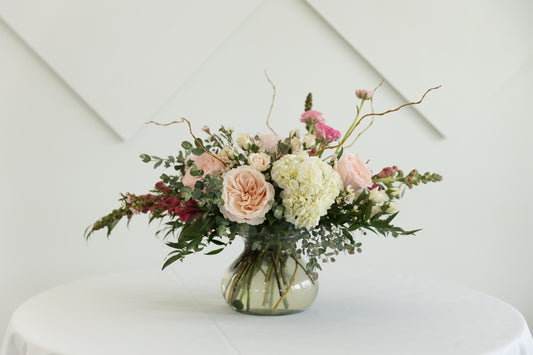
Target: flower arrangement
{"type": "Point", "coordinates": [303, 193]}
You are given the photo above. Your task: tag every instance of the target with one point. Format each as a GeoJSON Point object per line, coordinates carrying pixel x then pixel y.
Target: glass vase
{"type": "Point", "coordinates": [268, 278]}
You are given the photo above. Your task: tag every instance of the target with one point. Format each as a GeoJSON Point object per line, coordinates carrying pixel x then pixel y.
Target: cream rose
{"type": "Point", "coordinates": [259, 161]}
{"type": "Point", "coordinates": [354, 172]}
{"type": "Point", "coordinates": [243, 140]}
{"type": "Point", "coordinates": [247, 195]}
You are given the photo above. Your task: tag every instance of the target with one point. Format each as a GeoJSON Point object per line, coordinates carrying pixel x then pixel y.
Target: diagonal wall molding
{"type": "Point", "coordinates": [417, 44]}
{"type": "Point", "coordinates": [125, 59]}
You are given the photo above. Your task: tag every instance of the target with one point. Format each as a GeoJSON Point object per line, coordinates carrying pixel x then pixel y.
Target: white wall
{"type": "Point", "coordinates": [63, 167]}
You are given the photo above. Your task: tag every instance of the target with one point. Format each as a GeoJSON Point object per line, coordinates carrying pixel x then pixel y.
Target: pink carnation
{"type": "Point", "coordinates": [314, 116]}
{"type": "Point", "coordinates": [205, 162]}
{"type": "Point", "coordinates": [326, 132]}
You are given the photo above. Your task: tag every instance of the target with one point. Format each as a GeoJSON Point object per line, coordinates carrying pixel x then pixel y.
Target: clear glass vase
{"type": "Point", "coordinates": [268, 278]}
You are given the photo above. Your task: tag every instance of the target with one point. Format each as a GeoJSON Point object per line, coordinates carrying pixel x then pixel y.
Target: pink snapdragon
{"type": "Point", "coordinates": [386, 172]}
{"type": "Point", "coordinates": [326, 132]}
{"type": "Point", "coordinates": [311, 115]}
{"type": "Point", "coordinates": [174, 205]}
{"type": "Point", "coordinates": [161, 186]}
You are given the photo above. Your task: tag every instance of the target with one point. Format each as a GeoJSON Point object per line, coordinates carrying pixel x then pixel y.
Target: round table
{"type": "Point", "coordinates": [181, 311]}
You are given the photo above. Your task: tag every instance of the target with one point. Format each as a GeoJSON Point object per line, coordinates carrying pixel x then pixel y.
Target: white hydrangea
{"type": "Point", "coordinates": [309, 185]}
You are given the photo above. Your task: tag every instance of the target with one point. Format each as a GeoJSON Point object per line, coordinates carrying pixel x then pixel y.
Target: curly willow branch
{"type": "Point", "coordinates": [372, 121]}
{"type": "Point", "coordinates": [379, 114]}
{"type": "Point", "coordinates": [272, 104]}
{"type": "Point", "coordinates": [181, 120]}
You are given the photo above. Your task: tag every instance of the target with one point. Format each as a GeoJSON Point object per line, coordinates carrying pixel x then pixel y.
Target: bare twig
{"type": "Point", "coordinates": [372, 121]}
{"type": "Point", "coordinates": [379, 114]}
{"type": "Point", "coordinates": [181, 120]}
{"type": "Point", "coordinates": [271, 105]}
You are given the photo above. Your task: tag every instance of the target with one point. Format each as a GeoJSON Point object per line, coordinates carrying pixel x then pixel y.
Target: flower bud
{"type": "Point", "coordinates": [363, 94]}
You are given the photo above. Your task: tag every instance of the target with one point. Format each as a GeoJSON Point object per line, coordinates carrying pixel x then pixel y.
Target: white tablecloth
{"type": "Point", "coordinates": [181, 311]}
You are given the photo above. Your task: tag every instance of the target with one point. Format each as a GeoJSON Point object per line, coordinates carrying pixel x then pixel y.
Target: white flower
{"type": "Point", "coordinates": [309, 185]}
{"type": "Point", "coordinates": [309, 140]}
{"type": "Point", "coordinates": [378, 196]}
{"type": "Point", "coordinates": [294, 133]}
{"type": "Point", "coordinates": [243, 140]}
{"type": "Point", "coordinates": [259, 161]}
{"type": "Point", "coordinates": [296, 144]}
{"type": "Point", "coordinates": [393, 208]}
{"type": "Point", "coordinates": [393, 192]}
{"type": "Point", "coordinates": [348, 196]}
{"type": "Point", "coordinates": [375, 211]}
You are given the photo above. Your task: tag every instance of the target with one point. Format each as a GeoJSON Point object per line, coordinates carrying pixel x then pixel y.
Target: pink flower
{"type": "Point", "coordinates": [185, 210]}
{"type": "Point", "coordinates": [354, 172]}
{"type": "Point", "coordinates": [205, 162]}
{"type": "Point", "coordinates": [363, 94]}
{"type": "Point", "coordinates": [314, 116]}
{"type": "Point", "coordinates": [269, 142]}
{"type": "Point", "coordinates": [386, 172]}
{"type": "Point", "coordinates": [326, 133]}
{"type": "Point", "coordinates": [247, 195]}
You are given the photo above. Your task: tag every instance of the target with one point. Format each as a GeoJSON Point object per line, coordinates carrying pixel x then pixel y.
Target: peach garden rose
{"type": "Point", "coordinates": [247, 195]}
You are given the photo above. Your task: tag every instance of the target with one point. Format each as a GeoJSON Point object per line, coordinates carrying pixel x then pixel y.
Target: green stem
{"type": "Point", "coordinates": [352, 127]}
{"type": "Point", "coordinates": [303, 268]}
{"type": "Point", "coordinates": [277, 276]}
{"type": "Point", "coordinates": [288, 289]}
{"type": "Point", "coordinates": [249, 281]}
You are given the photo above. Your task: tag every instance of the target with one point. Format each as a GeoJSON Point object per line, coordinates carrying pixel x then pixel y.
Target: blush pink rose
{"type": "Point", "coordinates": [269, 142]}
{"type": "Point", "coordinates": [354, 172]}
{"type": "Point", "coordinates": [205, 162]}
{"type": "Point", "coordinates": [247, 195]}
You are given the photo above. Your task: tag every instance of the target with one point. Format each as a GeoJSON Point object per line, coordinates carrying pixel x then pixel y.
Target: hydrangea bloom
{"type": "Point", "coordinates": [309, 185]}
